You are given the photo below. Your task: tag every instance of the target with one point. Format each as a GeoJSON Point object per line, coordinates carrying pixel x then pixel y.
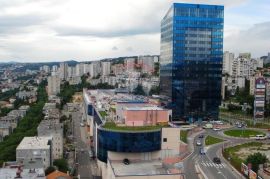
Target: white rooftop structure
{"type": "Point", "coordinates": [11, 173]}
{"type": "Point", "coordinates": [34, 143]}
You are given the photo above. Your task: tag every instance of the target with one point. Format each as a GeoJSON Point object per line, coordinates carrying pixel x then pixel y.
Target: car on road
{"type": "Point", "coordinates": [202, 151]}
{"type": "Point", "coordinates": [216, 160]}
{"type": "Point", "coordinates": [216, 129]}
{"type": "Point", "coordinates": [208, 126]}
{"type": "Point", "coordinates": [201, 136]}
{"type": "Point", "coordinates": [90, 153]}
{"type": "Point", "coordinates": [218, 122]}
{"type": "Point", "coordinates": [198, 143]}
{"type": "Point", "coordinates": [239, 126]}
{"type": "Point", "coordinates": [82, 124]}
{"type": "Point", "coordinates": [260, 137]}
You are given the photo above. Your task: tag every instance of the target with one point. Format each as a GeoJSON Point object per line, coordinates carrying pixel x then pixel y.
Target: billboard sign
{"type": "Point", "coordinates": [244, 169]}
{"type": "Point", "coordinates": [252, 174]}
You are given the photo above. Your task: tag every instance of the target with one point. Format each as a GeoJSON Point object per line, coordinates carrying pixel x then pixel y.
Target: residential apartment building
{"type": "Point", "coordinates": [79, 69]}
{"type": "Point", "coordinates": [95, 69]}
{"type": "Point", "coordinates": [227, 62]}
{"type": "Point", "coordinates": [54, 130]}
{"type": "Point", "coordinates": [71, 72]}
{"type": "Point", "coordinates": [130, 64]}
{"type": "Point", "coordinates": [63, 71]}
{"type": "Point", "coordinates": [105, 68]}
{"type": "Point", "coordinates": [147, 64]}
{"type": "Point", "coordinates": [34, 151]}
{"type": "Point", "coordinates": [5, 130]}
{"type": "Point", "coordinates": [54, 83]}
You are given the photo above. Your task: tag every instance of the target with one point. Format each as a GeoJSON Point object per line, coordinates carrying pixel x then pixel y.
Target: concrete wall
{"type": "Point", "coordinates": [171, 146]}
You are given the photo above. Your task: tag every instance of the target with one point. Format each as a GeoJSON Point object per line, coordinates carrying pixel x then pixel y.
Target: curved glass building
{"type": "Point", "coordinates": [124, 141]}
{"type": "Point", "coordinates": [191, 59]}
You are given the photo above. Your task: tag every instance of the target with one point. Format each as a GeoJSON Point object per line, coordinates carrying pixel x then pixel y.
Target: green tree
{"type": "Point", "coordinates": [256, 159]}
{"type": "Point", "coordinates": [4, 111]}
{"type": "Point", "coordinates": [232, 107]}
{"type": "Point", "coordinates": [61, 165]}
{"type": "Point", "coordinates": [139, 90]}
{"type": "Point", "coordinates": [63, 118]}
{"type": "Point", "coordinates": [26, 127]}
{"type": "Point", "coordinates": [154, 90]}
{"type": "Point", "coordinates": [49, 170]}
{"type": "Point", "coordinates": [8, 94]}
{"type": "Point", "coordinates": [156, 72]}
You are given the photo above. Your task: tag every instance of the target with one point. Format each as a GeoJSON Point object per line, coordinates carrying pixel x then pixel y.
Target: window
{"type": "Point", "coordinates": [164, 139]}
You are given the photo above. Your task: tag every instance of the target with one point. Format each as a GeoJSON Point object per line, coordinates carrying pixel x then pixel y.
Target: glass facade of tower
{"type": "Point", "coordinates": [191, 59]}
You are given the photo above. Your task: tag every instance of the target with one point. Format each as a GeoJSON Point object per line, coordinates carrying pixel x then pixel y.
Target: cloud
{"type": "Point", "coordinates": [10, 24]}
{"type": "Point", "coordinates": [255, 39]}
{"type": "Point", "coordinates": [115, 48]}
{"type": "Point", "coordinates": [130, 49]}
{"type": "Point", "coordinates": [38, 30]}
{"type": "Point", "coordinates": [103, 33]}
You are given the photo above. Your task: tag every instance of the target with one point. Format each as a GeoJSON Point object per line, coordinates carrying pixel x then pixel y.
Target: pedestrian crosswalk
{"type": "Point", "coordinates": [211, 164]}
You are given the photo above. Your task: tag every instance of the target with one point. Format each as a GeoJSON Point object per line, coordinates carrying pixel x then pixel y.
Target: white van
{"type": "Point", "coordinates": [260, 137]}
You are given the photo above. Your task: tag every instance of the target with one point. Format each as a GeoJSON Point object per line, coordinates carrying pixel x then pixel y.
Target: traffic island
{"type": "Point", "coordinates": [210, 140]}
{"type": "Point", "coordinates": [243, 133]}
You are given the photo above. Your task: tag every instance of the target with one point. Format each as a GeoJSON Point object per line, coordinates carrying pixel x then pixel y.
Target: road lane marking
{"type": "Point", "coordinates": [194, 156]}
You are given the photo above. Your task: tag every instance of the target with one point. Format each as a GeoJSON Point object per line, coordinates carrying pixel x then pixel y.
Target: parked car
{"type": "Point", "coordinates": [216, 160]}
{"type": "Point", "coordinates": [198, 143]}
{"type": "Point", "coordinates": [202, 151]}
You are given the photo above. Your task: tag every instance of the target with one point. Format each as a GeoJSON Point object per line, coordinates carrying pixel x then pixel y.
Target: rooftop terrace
{"type": "Point", "coordinates": [113, 126]}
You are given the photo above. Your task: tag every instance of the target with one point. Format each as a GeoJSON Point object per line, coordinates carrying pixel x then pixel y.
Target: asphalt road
{"type": "Point", "coordinates": [82, 155]}
{"type": "Point", "coordinates": [213, 170]}
{"type": "Point", "coordinates": [189, 163]}
{"type": "Point", "coordinates": [205, 162]}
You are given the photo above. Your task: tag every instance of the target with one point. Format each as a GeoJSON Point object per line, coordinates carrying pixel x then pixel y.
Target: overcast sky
{"type": "Point", "coordinates": [83, 30]}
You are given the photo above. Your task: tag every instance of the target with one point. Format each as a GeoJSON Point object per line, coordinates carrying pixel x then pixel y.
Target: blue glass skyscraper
{"type": "Point", "coordinates": [191, 59]}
